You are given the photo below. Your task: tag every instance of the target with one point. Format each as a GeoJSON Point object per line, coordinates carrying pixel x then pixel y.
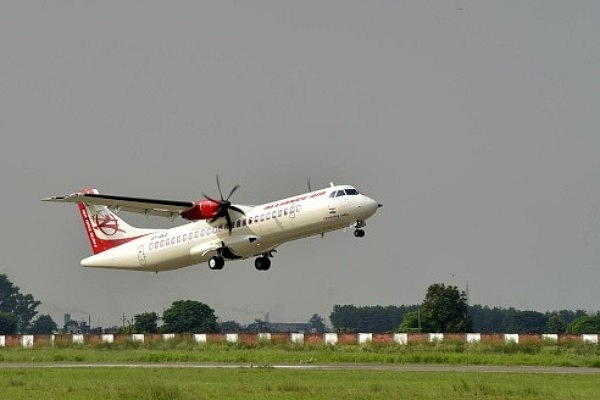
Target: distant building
{"type": "Point", "coordinates": [289, 327]}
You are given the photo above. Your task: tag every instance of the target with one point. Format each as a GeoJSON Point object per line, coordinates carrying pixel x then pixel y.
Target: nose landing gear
{"type": "Point", "coordinates": [358, 231]}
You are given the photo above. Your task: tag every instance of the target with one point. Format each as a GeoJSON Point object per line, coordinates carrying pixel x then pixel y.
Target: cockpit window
{"type": "Point", "coordinates": [332, 195]}
{"type": "Point", "coordinates": [340, 193]}
{"type": "Point", "coordinates": [351, 192]}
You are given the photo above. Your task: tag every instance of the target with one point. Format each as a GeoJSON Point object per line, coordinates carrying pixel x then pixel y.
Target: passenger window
{"type": "Point", "coordinates": [285, 210]}
{"type": "Point", "coordinates": [298, 208]}
{"type": "Point", "coordinates": [274, 214]}
{"type": "Point", "coordinates": [279, 213]}
{"type": "Point", "coordinates": [238, 223]}
{"type": "Point", "coordinates": [262, 217]}
{"type": "Point", "coordinates": [244, 222]}
{"type": "Point", "coordinates": [256, 218]}
{"type": "Point", "coordinates": [268, 216]}
{"type": "Point", "coordinates": [249, 220]}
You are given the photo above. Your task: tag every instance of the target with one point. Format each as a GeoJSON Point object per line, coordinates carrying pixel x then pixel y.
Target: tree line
{"type": "Point", "coordinates": [444, 309]}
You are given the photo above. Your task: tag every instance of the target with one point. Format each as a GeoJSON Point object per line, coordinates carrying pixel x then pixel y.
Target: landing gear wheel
{"type": "Point", "coordinates": [359, 233]}
{"type": "Point", "coordinates": [262, 263]}
{"type": "Point", "coordinates": [216, 263]}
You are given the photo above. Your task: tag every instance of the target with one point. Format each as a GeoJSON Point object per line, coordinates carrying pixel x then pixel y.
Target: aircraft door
{"type": "Point", "coordinates": [141, 256]}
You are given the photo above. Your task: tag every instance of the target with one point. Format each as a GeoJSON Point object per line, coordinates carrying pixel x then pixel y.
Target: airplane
{"type": "Point", "coordinates": [218, 231]}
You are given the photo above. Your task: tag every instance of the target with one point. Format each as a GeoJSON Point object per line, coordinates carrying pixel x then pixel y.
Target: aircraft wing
{"type": "Point", "coordinates": [156, 207]}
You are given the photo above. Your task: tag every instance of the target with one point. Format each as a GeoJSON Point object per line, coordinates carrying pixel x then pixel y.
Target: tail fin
{"type": "Point", "coordinates": [104, 228]}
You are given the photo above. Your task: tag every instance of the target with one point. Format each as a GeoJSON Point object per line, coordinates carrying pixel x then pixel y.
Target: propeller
{"type": "Point", "coordinates": [224, 205]}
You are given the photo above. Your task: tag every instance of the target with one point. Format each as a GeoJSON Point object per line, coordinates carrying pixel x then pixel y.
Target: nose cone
{"type": "Point", "coordinates": [367, 207]}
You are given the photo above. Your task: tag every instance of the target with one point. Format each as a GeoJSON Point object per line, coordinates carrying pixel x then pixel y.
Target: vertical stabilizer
{"type": "Point", "coordinates": [104, 228]}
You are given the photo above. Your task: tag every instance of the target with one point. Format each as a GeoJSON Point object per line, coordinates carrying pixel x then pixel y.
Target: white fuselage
{"type": "Point", "coordinates": [259, 231]}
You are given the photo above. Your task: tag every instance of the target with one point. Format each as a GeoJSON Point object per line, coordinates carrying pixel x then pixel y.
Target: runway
{"type": "Point", "coordinates": [333, 367]}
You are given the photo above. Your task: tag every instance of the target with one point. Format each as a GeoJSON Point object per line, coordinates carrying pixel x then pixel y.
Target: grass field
{"type": "Point", "coordinates": [543, 354]}
{"type": "Point", "coordinates": [265, 382]}
{"type": "Point", "coordinates": [268, 383]}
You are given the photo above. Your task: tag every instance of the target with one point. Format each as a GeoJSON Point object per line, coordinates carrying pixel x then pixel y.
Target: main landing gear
{"type": "Point", "coordinates": [216, 263]}
{"type": "Point", "coordinates": [262, 263]}
{"type": "Point", "coordinates": [358, 231]}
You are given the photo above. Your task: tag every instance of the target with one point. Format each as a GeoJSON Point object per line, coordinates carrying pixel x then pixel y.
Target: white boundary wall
{"type": "Point", "coordinates": [332, 339]}
{"type": "Point", "coordinates": [550, 337]}
{"type": "Point", "coordinates": [78, 339]}
{"type": "Point", "coordinates": [401, 338]}
{"type": "Point", "coordinates": [473, 337]}
{"type": "Point", "coordinates": [436, 337]}
{"type": "Point", "coordinates": [138, 337]}
{"type": "Point", "coordinates": [364, 338]}
{"type": "Point", "coordinates": [590, 338]}
{"type": "Point", "coordinates": [264, 337]}
{"type": "Point", "coordinates": [27, 341]}
{"type": "Point", "coordinates": [200, 337]}
{"type": "Point", "coordinates": [511, 337]}
{"type": "Point", "coordinates": [297, 338]}
{"type": "Point", "coordinates": [232, 337]}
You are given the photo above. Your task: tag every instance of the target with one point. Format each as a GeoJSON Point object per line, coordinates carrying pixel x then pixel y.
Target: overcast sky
{"type": "Point", "coordinates": [475, 123]}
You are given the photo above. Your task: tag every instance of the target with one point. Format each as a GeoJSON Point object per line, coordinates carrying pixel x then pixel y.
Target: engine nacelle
{"type": "Point", "coordinates": [203, 209]}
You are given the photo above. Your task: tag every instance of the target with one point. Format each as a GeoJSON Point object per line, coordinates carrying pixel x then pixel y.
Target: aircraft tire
{"type": "Point", "coordinates": [359, 233]}
{"type": "Point", "coordinates": [216, 263]}
{"type": "Point", "coordinates": [262, 263]}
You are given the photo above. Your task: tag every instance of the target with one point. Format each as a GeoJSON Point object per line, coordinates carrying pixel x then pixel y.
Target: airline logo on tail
{"type": "Point", "coordinates": [104, 229]}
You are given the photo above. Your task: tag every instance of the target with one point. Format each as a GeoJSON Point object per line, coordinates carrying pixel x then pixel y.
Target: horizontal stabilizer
{"type": "Point", "coordinates": [156, 207]}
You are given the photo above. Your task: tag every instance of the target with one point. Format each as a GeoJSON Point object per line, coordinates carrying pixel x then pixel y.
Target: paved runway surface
{"type": "Point", "coordinates": [365, 367]}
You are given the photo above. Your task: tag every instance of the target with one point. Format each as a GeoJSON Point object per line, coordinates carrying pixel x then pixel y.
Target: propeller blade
{"type": "Point", "coordinates": [224, 205]}
{"type": "Point", "coordinates": [219, 187]}
{"type": "Point", "coordinates": [229, 223]}
{"type": "Point", "coordinates": [236, 187]}
{"type": "Point", "coordinates": [234, 208]}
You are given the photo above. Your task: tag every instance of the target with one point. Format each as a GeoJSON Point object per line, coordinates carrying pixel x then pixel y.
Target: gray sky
{"type": "Point", "coordinates": [475, 123]}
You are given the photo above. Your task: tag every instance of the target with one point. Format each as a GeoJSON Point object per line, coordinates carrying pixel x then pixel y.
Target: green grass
{"type": "Point", "coordinates": [268, 383]}
{"type": "Point", "coordinates": [543, 354]}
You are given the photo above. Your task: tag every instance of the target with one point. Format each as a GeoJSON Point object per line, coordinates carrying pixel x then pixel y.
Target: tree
{"type": "Point", "coordinates": [14, 302]}
{"type": "Point", "coordinates": [585, 324]}
{"type": "Point", "coordinates": [230, 327]}
{"type": "Point", "coordinates": [555, 324]}
{"type": "Point", "coordinates": [349, 318]}
{"type": "Point", "coordinates": [8, 323]}
{"type": "Point", "coordinates": [411, 322]}
{"type": "Point", "coordinates": [43, 325]}
{"type": "Point", "coordinates": [145, 323]}
{"type": "Point", "coordinates": [529, 322]}
{"type": "Point", "coordinates": [317, 324]}
{"type": "Point", "coordinates": [259, 326]}
{"type": "Point", "coordinates": [189, 316]}
{"type": "Point", "coordinates": [444, 309]}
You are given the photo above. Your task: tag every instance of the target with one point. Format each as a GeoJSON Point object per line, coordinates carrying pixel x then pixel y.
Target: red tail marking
{"type": "Point", "coordinates": [107, 224]}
